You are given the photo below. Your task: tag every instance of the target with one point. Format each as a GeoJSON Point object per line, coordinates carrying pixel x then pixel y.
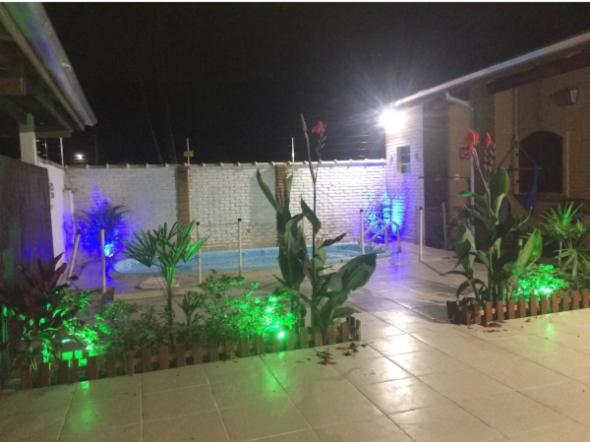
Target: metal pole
{"type": "Point", "coordinates": [421, 236]}
{"type": "Point", "coordinates": [199, 258]}
{"type": "Point", "coordinates": [103, 264]}
{"type": "Point", "coordinates": [444, 221]}
{"type": "Point", "coordinates": [74, 255]}
{"type": "Point", "coordinates": [240, 263]}
{"type": "Point", "coordinates": [362, 231]}
{"type": "Point", "coordinates": [61, 151]}
{"type": "Point", "coordinates": [292, 150]}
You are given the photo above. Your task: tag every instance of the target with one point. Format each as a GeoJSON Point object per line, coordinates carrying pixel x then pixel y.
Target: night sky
{"type": "Point", "coordinates": [234, 77]}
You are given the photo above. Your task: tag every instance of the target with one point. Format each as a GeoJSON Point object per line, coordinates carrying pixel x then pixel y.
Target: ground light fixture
{"type": "Point", "coordinates": [392, 119]}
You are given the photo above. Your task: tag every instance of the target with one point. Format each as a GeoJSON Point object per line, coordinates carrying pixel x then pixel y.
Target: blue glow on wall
{"type": "Point", "coordinates": [103, 215]}
{"type": "Point", "coordinates": [387, 209]}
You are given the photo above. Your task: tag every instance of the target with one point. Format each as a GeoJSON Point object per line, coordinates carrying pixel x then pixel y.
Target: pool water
{"type": "Point", "coordinates": [227, 260]}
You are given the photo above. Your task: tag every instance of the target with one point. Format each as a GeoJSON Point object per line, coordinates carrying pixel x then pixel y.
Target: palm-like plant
{"type": "Point", "coordinates": [563, 225]}
{"type": "Point", "coordinates": [165, 247]}
{"type": "Point", "coordinates": [107, 217]}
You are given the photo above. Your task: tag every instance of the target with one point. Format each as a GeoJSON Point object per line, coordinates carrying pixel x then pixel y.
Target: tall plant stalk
{"type": "Point", "coordinates": [318, 131]}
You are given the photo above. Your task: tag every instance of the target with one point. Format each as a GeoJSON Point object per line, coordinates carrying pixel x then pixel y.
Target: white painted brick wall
{"type": "Point", "coordinates": [343, 189]}
{"type": "Point", "coordinates": [408, 187]}
{"type": "Point", "coordinates": [219, 195]}
{"type": "Point", "coordinates": [149, 194]}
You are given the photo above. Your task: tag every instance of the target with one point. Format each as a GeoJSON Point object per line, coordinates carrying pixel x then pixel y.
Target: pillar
{"type": "Point", "coordinates": [28, 140]}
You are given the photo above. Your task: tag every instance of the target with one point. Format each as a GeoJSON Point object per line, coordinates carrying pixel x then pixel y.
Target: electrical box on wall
{"type": "Point", "coordinates": [403, 159]}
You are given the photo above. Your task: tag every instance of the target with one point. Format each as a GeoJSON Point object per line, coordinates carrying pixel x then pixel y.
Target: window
{"type": "Point", "coordinates": [403, 159]}
{"type": "Point", "coordinates": [540, 163]}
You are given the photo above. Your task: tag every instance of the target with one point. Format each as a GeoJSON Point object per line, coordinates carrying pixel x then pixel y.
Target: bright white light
{"type": "Point", "coordinates": [392, 120]}
{"type": "Point", "coordinates": [79, 156]}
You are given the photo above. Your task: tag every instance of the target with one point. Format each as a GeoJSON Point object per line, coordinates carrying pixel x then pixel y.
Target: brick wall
{"type": "Point", "coordinates": [217, 195]}
{"type": "Point", "coordinates": [148, 193]}
{"type": "Point", "coordinates": [407, 188]}
{"type": "Point", "coordinates": [344, 188]}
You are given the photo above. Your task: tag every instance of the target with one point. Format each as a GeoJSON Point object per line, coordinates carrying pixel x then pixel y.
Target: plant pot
{"type": "Point", "coordinates": [453, 311]}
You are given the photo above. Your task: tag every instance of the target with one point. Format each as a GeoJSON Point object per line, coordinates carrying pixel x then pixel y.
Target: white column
{"type": "Point", "coordinates": [28, 140]}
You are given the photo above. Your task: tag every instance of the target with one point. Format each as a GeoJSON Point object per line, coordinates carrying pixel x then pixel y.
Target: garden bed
{"type": "Point", "coordinates": [150, 359]}
{"type": "Point", "coordinates": [467, 313]}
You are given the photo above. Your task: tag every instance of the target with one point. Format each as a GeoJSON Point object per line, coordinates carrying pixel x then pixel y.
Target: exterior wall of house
{"type": "Point", "coordinates": [538, 108]}
{"type": "Point", "coordinates": [60, 209]}
{"type": "Point", "coordinates": [407, 189]}
{"type": "Point", "coordinates": [457, 169]}
{"type": "Point", "coordinates": [217, 195]}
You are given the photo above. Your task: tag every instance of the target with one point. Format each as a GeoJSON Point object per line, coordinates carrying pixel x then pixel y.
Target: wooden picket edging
{"type": "Point", "coordinates": [562, 301]}
{"type": "Point", "coordinates": [147, 359]}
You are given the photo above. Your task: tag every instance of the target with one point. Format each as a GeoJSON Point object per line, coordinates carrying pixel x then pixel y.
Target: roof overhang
{"type": "Point", "coordinates": [36, 75]}
{"type": "Point", "coordinates": [562, 56]}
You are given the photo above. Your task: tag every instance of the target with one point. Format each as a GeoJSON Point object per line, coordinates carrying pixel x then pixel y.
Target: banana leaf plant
{"type": "Point", "coordinates": [329, 289]}
{"type": "Point", "coordinates": [166, 248]}
{"type": "Point", "coordinates": [497, 249]}
{"type": "Point", "coordinates": [292, 246]}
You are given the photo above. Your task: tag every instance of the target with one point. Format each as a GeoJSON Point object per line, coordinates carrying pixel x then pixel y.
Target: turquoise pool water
{"type": "Point", "coordinates": [227, 260]}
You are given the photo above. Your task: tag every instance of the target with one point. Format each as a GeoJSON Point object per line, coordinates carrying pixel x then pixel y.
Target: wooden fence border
{"type": "Point", "coordinates": [146, 359]}
{"type": "Point", "coordinates": [561, 301]}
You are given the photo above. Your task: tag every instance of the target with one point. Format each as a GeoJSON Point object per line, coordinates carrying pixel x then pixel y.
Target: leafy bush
{"type": "Point", "coordinates": [41, 314]}
{"type": "Point", "coordinates": [165, 248]}
{"type": "Point", "coordinates": [540, 280]}
{"type": "Point", "coordinates": [499, 233]}
{"type": "Point", "coordinates": [110, 218]}
{"type": "Point", "coordinates": [570, 234]}
{"type": "Point", "coordinates": [249, 315]}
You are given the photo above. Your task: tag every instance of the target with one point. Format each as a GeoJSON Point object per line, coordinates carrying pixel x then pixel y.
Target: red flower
{"type": "Point", "coordinates": [472, 138]}
{"type": "Point", "coordinates": [471, 142]}
{"type": "Point", "coordinates": [319, 129]}
{"type": "Point", "coordinates": [487, 140]}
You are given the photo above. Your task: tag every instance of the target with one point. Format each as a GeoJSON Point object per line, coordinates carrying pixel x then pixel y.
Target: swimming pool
{"type": "Point", "coordinates": [227, 260]}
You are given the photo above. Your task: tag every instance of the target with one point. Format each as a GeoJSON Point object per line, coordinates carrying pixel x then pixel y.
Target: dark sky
{"type": "Point", "coordinates": [234, 77]}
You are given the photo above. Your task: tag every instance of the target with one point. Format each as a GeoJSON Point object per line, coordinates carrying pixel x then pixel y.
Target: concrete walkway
{"type": "Point", "coordinates": [416, 379]}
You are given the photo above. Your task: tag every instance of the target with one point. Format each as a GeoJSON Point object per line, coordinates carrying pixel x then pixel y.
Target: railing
{"type": "Point", "coordinates": [383, 228]}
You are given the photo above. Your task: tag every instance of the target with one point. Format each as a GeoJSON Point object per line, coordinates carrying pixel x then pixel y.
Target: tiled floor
{"type": "Point", "coordinates": [416, 378]}
{"type": "Point", "coordinates": [437, 382]}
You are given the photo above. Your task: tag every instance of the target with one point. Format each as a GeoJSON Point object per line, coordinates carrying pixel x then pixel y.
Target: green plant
{"type": "Point", "coordinates": [165, 248]}
{"type": "Point", "coordinates": [499, 235]}
{"type": "Point", "coordinates": [42, 313]}
{"type": "Point", "coordinates": [189, 330]}
{"type": "Point", "coordinates": [290, 246]}
{"type": "Point", "coordinates": [539, 280]}
{"type": "Point", "coordinates": [249, 315]}
{"type": "Point", "coordinates": [280, 204]}
{"type": "Point", "coordinates": [329, 290]}
{"type": "Point", "coordinates": [563, 225]}
{"type": "Point", "coordinates": [107, 217]}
